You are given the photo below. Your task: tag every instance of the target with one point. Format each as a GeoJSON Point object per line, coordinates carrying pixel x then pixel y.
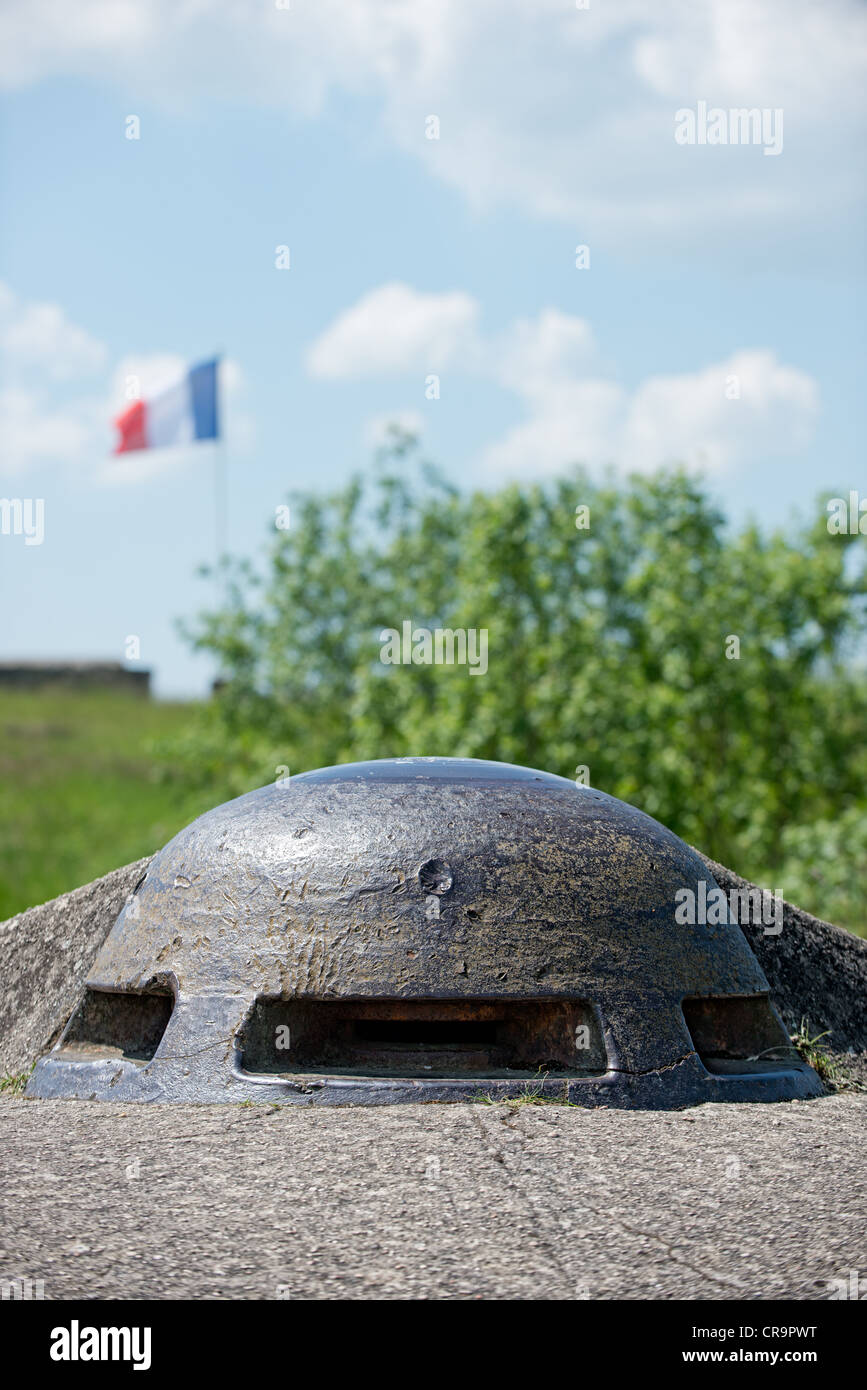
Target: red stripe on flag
{"type": "Point", "coordinates": [131, 425]}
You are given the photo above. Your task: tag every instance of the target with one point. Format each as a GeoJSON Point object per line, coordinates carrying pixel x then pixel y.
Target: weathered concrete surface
{"type": "Point", "coordinates": [433, 1202]}
{"type": "Point", "coordinates": [46, 954]}
{"type": "Point", "coordinates": [816, 971]}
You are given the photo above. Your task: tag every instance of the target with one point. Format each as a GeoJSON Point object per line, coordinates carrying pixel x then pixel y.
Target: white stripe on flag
{"type": "Point", "coordinates": [169, 416]}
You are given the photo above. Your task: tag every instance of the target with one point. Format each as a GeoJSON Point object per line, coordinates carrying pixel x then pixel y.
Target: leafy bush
{"type": "Point", "coordinates": [824, 867]}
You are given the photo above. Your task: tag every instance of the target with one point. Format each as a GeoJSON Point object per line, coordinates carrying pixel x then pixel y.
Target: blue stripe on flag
{"type": "Point", "coordinates": [203, 393]}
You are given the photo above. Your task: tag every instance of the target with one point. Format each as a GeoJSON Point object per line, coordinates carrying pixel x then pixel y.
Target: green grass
{"type": "Point", "coordinates": [816, 1057]}
{"type": "Point", "coordinates": [13, 1083]}
{"type": "Point", "coordinates": [531, 1094]}
{"type": "Point", "coordinates": [79, 790]}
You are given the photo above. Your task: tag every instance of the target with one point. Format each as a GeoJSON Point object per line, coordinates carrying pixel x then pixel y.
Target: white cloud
{"type": "Point", "coordinates": [41, 336]}
{"type": "Point", "coordinates": [395, 328]}
{"type": "Point", "coordinates": [40, 350]}
{"type": "Point", "coordinates": [565, 113]}
{"type": "Point", "coordinates": [536, 356]}
{"type": "Point", "coordinates": [697, 417]}
{"type": "Point", "coordinates": [725, 416]}
{"type": "Point", "coordinates": [693, 418]}
{"type": "Point", "coordinates": [33, 433]}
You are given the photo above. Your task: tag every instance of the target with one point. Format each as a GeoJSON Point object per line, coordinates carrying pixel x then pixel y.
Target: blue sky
{"type": "Point", "coordinates": [262, 126]}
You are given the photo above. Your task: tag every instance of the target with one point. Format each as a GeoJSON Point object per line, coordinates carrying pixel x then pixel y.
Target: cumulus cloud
{"type": "Point", "coordinates": [41, 336]}
{"type": "Point", "coordinates": [564, 113]}
{"type": "Point", "coordinates": [33, 432]}
{"type": "Point", "coordinates": [40, 351]}
{"type": "Point", "coordinates": [741, 410]}
{"type": "Point", "coordinates": [538, 356]}
{"type": "Point", "coordinates": [395, 328]}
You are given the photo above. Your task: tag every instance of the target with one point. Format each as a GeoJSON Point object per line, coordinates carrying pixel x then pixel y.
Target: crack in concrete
{"type": "Point", "coordinates": [628, 1228]}
{"type": "Point", "coordinates": [546, 1241]}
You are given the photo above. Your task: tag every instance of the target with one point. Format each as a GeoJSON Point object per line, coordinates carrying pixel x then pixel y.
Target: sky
{"type": "Point", "coordinates": [431, 169]}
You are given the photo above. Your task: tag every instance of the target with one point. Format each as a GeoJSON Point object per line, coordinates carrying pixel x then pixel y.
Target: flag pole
{"type": "Point", "coordinates": [221, 500]}
{"type": "Point", "coordinates": [221, 480]}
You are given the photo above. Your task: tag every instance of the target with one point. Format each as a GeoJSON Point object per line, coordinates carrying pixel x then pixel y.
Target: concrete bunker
{"type": "Point", "coordinates": [423, 929]}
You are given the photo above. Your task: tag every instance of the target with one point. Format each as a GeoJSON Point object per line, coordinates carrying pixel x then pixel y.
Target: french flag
{"type": "Point", "coordinates": [179, 415]}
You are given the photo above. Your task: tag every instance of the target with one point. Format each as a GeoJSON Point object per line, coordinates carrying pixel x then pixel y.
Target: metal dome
{"type": "Point", "coordinates": [423, 929]}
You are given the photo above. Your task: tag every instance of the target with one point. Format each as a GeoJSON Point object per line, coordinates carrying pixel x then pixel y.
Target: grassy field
{"type": "Point", "coordinates": [78, 791]}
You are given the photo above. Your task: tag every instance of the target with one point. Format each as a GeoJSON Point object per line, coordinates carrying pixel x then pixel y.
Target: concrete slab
{"type": "Point", "coordinates": [47, 953]}
{"type": "Point", "coordinates": [433, 1202]}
